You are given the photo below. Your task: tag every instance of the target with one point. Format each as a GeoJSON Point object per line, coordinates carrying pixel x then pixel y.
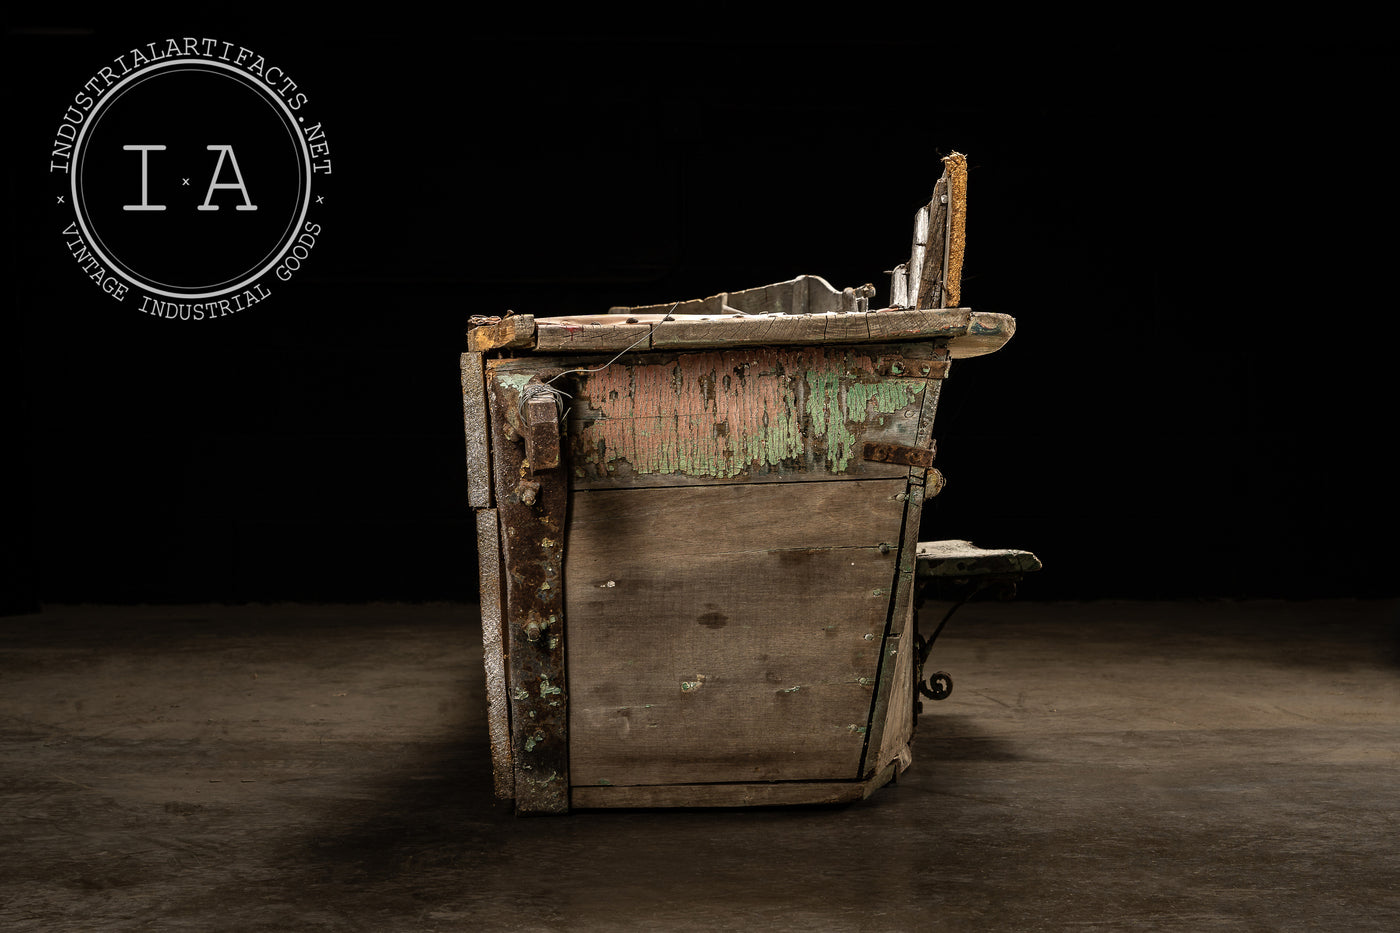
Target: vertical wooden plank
{"type": "Point", "coordinates": [899, 716]}
{"type": "Point", "coordinates": [488, 546]}
{"type": "Point", "coordinates": [899, 287]}
{"type": "Point", "coordinates": [891, 718]}
{"type": "Point", "coordinates": [916, 253]}
{"type": "Point", "coordinates": [931, 292]}
{"type": "Point", "coordinates": [532, 515]}
{"type": "Point", "coordinates": [890, 645]}
{"type": "Point", "coordinates": [476, 428]}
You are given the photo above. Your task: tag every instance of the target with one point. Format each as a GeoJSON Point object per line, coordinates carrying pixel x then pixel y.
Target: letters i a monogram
{"type": "Point", "coordinates": [225, 153]}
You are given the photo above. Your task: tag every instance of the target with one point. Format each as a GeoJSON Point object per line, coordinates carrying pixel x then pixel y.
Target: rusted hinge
{"type": "Point", "coordinates": [899, 454]}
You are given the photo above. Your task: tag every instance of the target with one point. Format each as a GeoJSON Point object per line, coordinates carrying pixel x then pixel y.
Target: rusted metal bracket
{"type": "Point", "coordinates": [541, 433]}
{"type": "Point", "coordinates": [963, 571]}
{"type": "Point", "coordinates": [532, 499]}
{"type": "Point", "coordinates": [912, 368]}
{"type": "Point", "coordinates": [904, 456]}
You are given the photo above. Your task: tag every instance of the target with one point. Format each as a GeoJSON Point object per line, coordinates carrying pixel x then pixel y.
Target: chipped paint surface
{"type": "Point", "coordinates": [725, 413]}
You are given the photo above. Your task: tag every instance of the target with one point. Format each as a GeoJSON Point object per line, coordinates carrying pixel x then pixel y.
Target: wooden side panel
{"type": "Point", "coordinates": [746, 415]}
{"type": "Point", "coordinates": [727, 633]}
{"type": "Point", "coordinates": [488, 546]}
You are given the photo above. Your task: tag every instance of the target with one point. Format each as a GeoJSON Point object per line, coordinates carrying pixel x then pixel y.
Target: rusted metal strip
{"type": "Point", "coordinates": [914, 368]}
{"type": "Point", "coordinates": [532, 514]}
{"type": "Point", "coordinates": [896, 453]}
{"type": "Point", "coordinates": [542, 433]}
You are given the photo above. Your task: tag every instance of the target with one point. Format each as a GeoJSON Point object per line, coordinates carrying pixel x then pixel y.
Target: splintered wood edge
{"type": "Point", "coordinates": [518, 330]}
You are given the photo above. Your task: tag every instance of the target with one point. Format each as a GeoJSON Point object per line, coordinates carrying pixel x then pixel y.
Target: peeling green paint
{"type": "Point", "coordinates": [547, 689]}
{"type": "Point", "coordinates": [834, 407]}
{"type": "Point", "coordinates": [724, 413]}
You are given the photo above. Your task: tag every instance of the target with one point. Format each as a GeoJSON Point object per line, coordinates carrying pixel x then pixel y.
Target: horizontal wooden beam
{"type": "Point", "coordinates": [969, 333]}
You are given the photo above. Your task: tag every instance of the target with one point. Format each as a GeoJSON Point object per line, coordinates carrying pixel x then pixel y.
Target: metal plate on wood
{"type": "Point", "coordinates": [895, 453]}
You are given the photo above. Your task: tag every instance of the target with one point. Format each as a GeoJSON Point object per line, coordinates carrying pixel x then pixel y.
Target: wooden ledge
{"type": "Point", "coordinates": [969, 333]}
{"type": "Point", "coordinates": [964, 559]}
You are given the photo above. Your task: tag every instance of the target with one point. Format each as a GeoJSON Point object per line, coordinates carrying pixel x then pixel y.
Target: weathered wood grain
{"type": "Point", "coordinates": [488, 547]}
{"type": "Point", "coordinates": [930, 292]}
{"type": "Point", "coordinates": [917, 251]}
{"type": "Point", "coordinates": [968, 333]}
{"type": "Point", "coordinates": [727, 633]}
{"type": "Point", "coordinates": [532, 517]}
{"type": "Point", "coordinates": [814, 793]}
{"type": "Point", "coordinates": [477, 431]}
{"type": "Point", "coordinates": [892, 714]}
{"type": "Point", "coordinates": [964, 559]}
{"type": "Point", "coordinates": [518, 330]}
{"type": "Point", "coordinates": [748, 415]}
{"type": "Point", "coordinates": [590, 334]}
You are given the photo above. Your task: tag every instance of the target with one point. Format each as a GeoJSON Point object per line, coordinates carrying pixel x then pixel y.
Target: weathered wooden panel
{"type": "Point", "coordinates": [727, 633]}
{"type": "Point", "coordinates": [968, 333]}
{"type": "Point", "coordinates": [810, 329]}
{"type": "Point", "coordinates": [591, 334]}
{"type": "Point", "coordinates": [477, 430]}
{"type": "Point", "coordinates": [928, 291]}
{"type": "Point", "coordinates": [488, 547]}
{"type": "Point", "coordinates": [745, 415]}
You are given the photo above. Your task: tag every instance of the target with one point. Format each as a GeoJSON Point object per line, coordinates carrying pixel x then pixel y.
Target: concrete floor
{"type": "Point", "coordinates": [1116, 766]}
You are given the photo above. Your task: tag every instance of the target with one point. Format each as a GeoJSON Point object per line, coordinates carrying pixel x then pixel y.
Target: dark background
{"type": "Point", "coordinates": [1194, 237]}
